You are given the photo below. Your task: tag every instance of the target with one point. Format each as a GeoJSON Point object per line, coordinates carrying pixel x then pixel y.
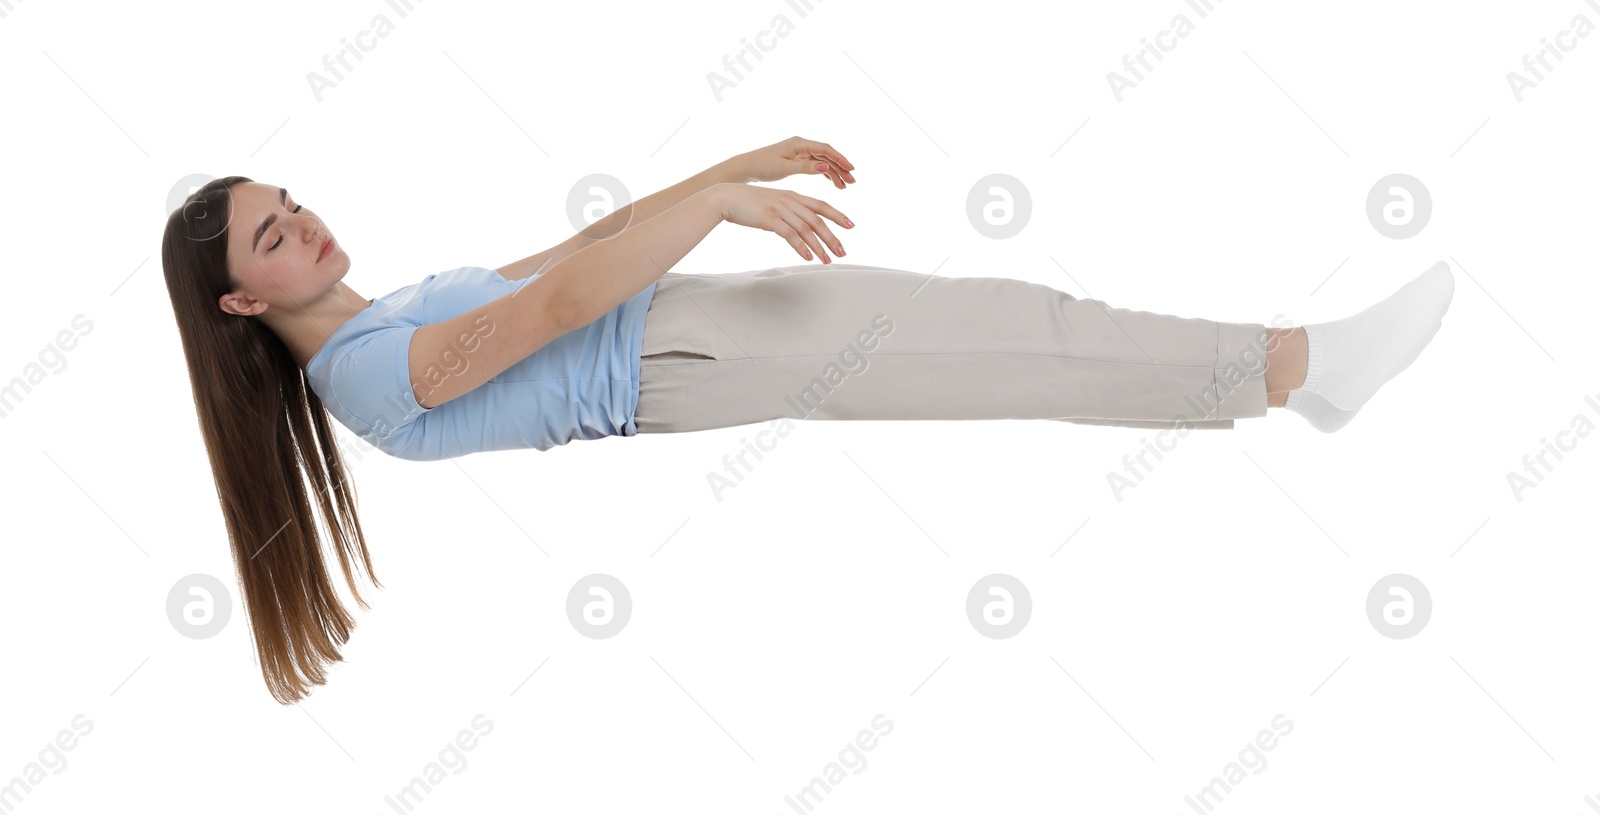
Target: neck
{"type": "Point", "coordinates": [306, 328]}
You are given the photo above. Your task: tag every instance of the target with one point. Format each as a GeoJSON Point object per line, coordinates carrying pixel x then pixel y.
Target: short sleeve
{"type": "Point", "coordinates": [370, 378]}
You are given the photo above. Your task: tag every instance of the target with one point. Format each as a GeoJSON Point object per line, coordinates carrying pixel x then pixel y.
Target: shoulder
{"type": "Point", "coordinates": [366, 381]}
{"type": "Point", "coordinates": [364, 375]}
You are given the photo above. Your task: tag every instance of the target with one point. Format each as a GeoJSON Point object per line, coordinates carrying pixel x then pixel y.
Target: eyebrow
{"type": "Point", "coordinates": [283, 199]}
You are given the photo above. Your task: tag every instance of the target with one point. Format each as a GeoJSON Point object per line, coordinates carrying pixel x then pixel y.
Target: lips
{"type": "Point", "coordinates": [327, 249]}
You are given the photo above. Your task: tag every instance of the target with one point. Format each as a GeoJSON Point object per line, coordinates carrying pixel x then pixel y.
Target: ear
{"type": "Point", "coordinates": [241, 304]}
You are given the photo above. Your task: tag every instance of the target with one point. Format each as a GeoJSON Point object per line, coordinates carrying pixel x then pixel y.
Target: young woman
{"type": "Point", "coordinates": [595, 338]}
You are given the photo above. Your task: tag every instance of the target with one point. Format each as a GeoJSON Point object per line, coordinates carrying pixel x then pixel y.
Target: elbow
{"type": "Point", "coordinates": [561, 307]}
{"type": "Point", "coordinates": [566, 304]}
{"type": "Point", "coordinates": [566, 315]}
{"type": "Point", "coordinates": [574, 297]}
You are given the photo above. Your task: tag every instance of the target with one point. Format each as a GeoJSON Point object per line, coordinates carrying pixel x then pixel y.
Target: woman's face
{"type": "Point", "coordinates": [273, 246]}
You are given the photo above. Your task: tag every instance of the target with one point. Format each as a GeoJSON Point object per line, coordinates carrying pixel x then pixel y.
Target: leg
{"type": "Point", "coordinates": [846, 341]}
{"type": "Point", "coordinates": [1286, 363]}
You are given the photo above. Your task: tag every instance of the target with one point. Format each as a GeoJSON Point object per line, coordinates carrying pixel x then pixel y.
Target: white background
{"type": "Point", "coordinates": [770, 628]}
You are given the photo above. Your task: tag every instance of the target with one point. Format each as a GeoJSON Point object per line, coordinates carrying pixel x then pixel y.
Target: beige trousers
{"type": "Point", "coordinates": [846, 341]}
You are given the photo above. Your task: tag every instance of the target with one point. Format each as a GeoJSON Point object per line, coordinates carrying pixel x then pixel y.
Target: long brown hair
{"type": "Point", "coordinates": [266, 433]}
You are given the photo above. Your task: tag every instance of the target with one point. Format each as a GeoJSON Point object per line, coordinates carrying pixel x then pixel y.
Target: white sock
{"type": "Point", "coordinates": [1318, 411]}
{"type": "Point", "coordinates": [1348, 360]}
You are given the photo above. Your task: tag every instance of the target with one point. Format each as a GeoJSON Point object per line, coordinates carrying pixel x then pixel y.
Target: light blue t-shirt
{"type": "Point", "coordinates": [582, 385]}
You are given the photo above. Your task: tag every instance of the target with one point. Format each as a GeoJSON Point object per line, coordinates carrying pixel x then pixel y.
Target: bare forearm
{"type": "Point", "coordinates": [648, 207]}
{"type": "Point", "coordinates": [596, 277]}
{"type": "Point", "coordinates": [631, 215]}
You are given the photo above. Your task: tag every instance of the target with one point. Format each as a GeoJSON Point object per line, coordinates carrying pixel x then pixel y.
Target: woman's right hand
{"type": "Point", "coordinates": [793, 216]}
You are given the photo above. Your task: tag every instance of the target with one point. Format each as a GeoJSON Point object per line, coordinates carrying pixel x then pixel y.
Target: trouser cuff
{"type": "Point", "coordinates": [1240, 371]}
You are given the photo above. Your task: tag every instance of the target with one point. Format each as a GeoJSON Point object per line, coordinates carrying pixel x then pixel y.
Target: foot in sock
{"type": "Point", "coordinates": [1348, 360]}
{"type": "Point", "coordinates": [1318, 411]}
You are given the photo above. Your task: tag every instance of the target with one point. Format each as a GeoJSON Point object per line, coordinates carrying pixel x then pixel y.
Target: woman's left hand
{"type": "Point", "coordinates": [791, 156]}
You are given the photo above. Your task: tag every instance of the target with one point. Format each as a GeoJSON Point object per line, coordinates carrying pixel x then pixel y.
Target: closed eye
{"type": "Point", "coordinates": [297, 208]}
